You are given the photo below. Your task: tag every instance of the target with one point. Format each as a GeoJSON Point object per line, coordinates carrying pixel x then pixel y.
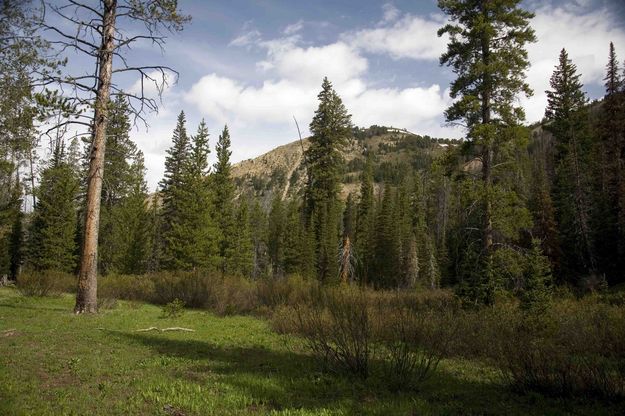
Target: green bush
{"type": "Point", "coordinates": [573, 347]}
{"type": "Point", "coordinates": [235, 295]}
{"type": "Point", "coordinates": [197, 289]}
{"type": "Point", "coordinates": [173, 309]}
{"type": "Point", "coordinates": [127, 287]}
{"type": "Point", "coordinates": [335, 325]}
{"type": "Point", "coordinates": [45, 283]}
{"type": "Point", "coordinates": [291, 290]}
{"type": "Point", "coordinates": [412, 343]}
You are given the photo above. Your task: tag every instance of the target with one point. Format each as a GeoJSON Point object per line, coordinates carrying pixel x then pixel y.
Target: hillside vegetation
{"type": "Point", "coordinates": [282, 171]}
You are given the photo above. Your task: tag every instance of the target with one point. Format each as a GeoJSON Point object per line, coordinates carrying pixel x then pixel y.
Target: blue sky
{"type": "Point", "coordinates": [254, 64]}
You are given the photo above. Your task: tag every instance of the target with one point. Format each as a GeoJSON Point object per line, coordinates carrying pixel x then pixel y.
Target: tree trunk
{"type": "Point", "coordinates": [86, 297]}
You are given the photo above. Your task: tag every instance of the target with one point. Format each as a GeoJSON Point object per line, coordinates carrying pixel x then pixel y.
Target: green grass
{"type": "Point", "coordinates": [55, 363]}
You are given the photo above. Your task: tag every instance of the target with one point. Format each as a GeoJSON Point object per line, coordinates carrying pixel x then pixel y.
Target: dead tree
{"type": "Point", "coordinates": [102, 32]}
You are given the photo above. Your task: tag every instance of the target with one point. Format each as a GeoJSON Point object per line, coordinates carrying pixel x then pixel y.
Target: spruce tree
{"type": "Point", "coordinates": [364, 244]}
{"type": "Point", "coordinates": [133, 224]}
{"type": "Point", "coordinates": [51, 239]}
{"type": "Point", "coordinates": [192, 238]}
{"type": "Point", "coordinates": [610, 217]}
{"type": "Point", "coordinates": [387, 251]}
{"type": "Point", "coordinates": [536, 291]}
{"type": "Point", "coordinates": [224, 196]}
{"type": "Point", "coordinates": [11, 235]}
{"type": "Point", "coordinates": [242, 260]}
{"type": "Point", "coordinates": [567, 115]}
{"type": "Point", "coordinates": [258, 225]}
{"type": "Point", "coordinates": [276, 235]}
{"type": "Point", "coordinates": [487, 53]}
{"type": "Point", "coordinates": [331, 128]}
{"type": "Point", "coordinates": [293, 238]}
{"type": "Point", "coordinates": [124, 191]}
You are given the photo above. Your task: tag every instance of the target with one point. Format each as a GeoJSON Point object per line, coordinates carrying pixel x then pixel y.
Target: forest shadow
{"type": "Point", "coordinates": [279, 380]}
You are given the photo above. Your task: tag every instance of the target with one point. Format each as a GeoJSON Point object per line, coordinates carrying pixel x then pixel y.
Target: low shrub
{"type": "Point", "coordinates": [291, 290]}
{"type": "Point", "coordinates": [173, 309]}
{"type": "Point", "coordinates": [412, 343]}
{"type": "Point", "coordinates": [45, 283]}
{"type": "Point", "coordinates": [197, 289]}
{"type": "Point", "coordinates": [127, 287]}
{"type": "Point", "coordinates": [335, 325]}
{"type": "Point", "coordinates": [573, 347]}
{"type": "Point", "coordinates": [235, 295]}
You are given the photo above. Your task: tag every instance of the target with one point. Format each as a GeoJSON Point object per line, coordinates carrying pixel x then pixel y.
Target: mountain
{"type": "Point", "coordinates": [282, 170]}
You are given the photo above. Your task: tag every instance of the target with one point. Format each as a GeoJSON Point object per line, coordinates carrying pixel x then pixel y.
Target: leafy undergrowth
{"type": "Point", "coordinates": [52, 362]}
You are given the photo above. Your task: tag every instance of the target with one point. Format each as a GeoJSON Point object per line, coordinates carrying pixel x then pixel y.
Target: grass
{"type": "Point", "coordinates": [55, 363]}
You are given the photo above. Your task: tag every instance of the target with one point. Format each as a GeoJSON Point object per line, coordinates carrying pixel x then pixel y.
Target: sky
{"type": "Point", "coordinates": [256, 64]}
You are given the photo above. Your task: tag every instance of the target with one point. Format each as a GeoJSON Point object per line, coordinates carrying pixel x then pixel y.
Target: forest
{"type": "Point", "coordinates": [484, 275]}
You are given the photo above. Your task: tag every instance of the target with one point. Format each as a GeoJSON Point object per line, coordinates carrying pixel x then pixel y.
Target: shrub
{"type": "Point", "coordinates": [336, 327]}
{"type": "Point", "coordinates": [195, 288]}
{"type": "Point", "coordinates": [235, 295]}
{"type": "Point", "coordinates": [45, 283]}
{"type": "Point", "coordinates": [173, 309]}
{"type": "Point", "coordinates": [574, 347]}
{"type": "Point", "coordinates": [291, 290]}
{"type": "Point", "coordinates": [128, 287]}
{"type": "Point", "coordinates": [412, 342]}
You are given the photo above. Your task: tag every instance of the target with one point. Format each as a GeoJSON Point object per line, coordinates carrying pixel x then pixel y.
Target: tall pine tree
{"type": "Point", "coordinates": [51, 238]}
{"type": "Point", "coordinates": [487, 52]}
{"type": "Point", "coordinates": [567, 115]}
{"type": "Point", "coordinates": [331, 129]}
{"type": "Point", "coordinates": [224, 199]}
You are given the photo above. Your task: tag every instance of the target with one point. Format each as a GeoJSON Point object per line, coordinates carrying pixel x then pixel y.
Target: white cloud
{"type": "Point", "coordinates": [413, 37]}
{"type": "Point", "coordinates": [585, 36]}
{"type": "Point", "coordinates": [293, 28]}
{"type": "Point", "coordinates": [337, 61]}
{"type": "Point", "coordinates": [246, 39]}
{"type": "Point", "coordinates": [391, 13]}
{"type": "Point", "coordinates": [294, 75]}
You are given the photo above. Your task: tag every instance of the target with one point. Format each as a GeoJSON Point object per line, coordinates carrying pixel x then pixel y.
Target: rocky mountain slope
{"type": "Point", "coordinates": [281, 171]}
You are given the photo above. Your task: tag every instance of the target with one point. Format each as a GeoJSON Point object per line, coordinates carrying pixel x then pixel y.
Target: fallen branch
{"type": "Point", "coordinates": [175, 328]}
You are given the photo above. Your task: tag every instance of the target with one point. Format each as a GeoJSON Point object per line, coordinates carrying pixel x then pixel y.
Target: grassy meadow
{"type": "Point", "coordinates": [55, 363]}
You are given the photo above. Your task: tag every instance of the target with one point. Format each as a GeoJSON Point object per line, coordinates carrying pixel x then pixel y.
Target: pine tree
{"type": "Point", "coordinates": [536, 291]}
{"type": "Point", "coordinates": [192, 238]}
{"type": "Point", "coordinates": [123, 194]}
{"type": "Point", "coordinates": [293, 238]}
{"type": "Point", "coordinates": [51, 239]}
{"type": "Point", "coordinates": [242, 260]}
{"type": "Point", "coordinates": [364, 244]}
{"type": "Point", "coordinates": [11, 238]}
{"type": "Point", "coordinates": [133, 225]}
{"type": "Point", "coordinates": [387, 251]}
{"type": "Point", "coordinates": [277, 233]}
{"type": "Point", "coordinates": [172, 185]}
{"type": "Point", "coordinates": [610, 217]}
{"type": "Point", "coordinates": [543, 211]}
{"type": "Point", "coordinates": [258, 225]}
{"type": "Point", "coordinates": [487, 53]}
{"type": "Point", "coordinates": [568, 117]}
{"type": "Point", "coordinates": [331, 128]}
{"type": "Point", "coordinates": [224, 196]}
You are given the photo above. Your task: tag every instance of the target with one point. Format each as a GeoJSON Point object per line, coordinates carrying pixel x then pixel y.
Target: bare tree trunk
{"type": "Point", "coordinates": [86, 297]}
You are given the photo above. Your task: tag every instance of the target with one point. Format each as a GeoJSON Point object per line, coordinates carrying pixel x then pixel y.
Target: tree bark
{"type": "Point", "coordinates": [86, 297]}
